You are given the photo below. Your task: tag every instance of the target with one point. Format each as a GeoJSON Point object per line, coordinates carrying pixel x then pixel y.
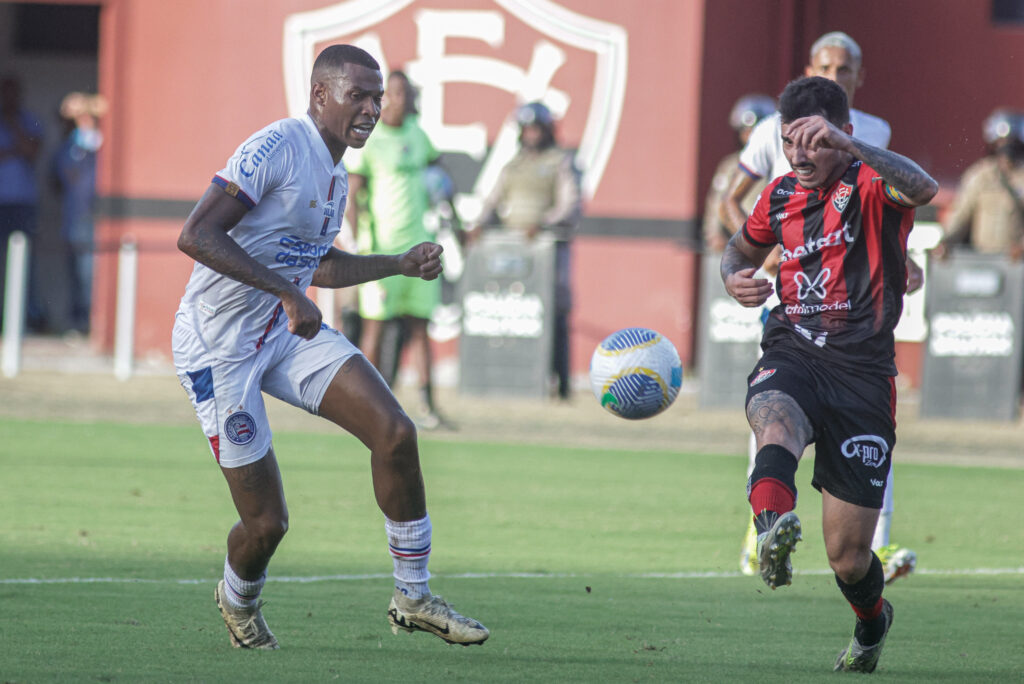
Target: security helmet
{"type": "Point", "coordinates": [750, 109]}
{"type": "Point", "coordinates": [534, 113]}
{"type": "Point", "coordinates": [1003, 125]}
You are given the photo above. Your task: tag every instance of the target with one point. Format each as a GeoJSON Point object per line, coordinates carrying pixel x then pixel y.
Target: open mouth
{"type": "Point", "coordinates": [362, 130]}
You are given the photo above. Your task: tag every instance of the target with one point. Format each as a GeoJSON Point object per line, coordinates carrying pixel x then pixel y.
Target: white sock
{"type": "Point", "coordinates": [409, 544]}
{"type": "Point", "coordinates": [242, 593]}
{"type": "Point", "coordinates": [884, 524]}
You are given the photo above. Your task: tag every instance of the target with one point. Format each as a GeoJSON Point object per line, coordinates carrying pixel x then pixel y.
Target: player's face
{"type": "Point", "coordinates": [351, 104]}
{"type": "Point", "coordinates": [815, 167]}
{"type": "Point", "coordinates": [835, 64]}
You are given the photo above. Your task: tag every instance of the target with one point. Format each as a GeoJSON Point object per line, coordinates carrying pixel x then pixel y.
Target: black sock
{"type": "Point", "coordinates": [865, 597]}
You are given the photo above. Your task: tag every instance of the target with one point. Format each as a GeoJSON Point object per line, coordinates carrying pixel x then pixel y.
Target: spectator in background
{"type": "Point", "coordinates": [745, 114]}
{"type": "Point", "coordinates": [21, 137]}
{"type": "Point", "coordinates": [988, 213]}
{"type": "Point", "coordinates": [74, 170]}
{"type": "Point", "coordinates": [539, 191]}
{"type": "Point", "coordinates": [386, 182]}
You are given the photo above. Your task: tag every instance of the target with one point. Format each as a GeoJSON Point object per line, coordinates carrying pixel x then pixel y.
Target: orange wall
{"type": "Point", "coordinates": [190, 80]}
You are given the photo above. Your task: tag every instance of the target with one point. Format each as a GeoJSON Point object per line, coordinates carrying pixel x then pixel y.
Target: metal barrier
{"type": "Point", "coordinates": [728, 344]}
{"type": "Point", "coordinates": [972, 362]}
{"type": "Point", "coordinates": [507, 292]}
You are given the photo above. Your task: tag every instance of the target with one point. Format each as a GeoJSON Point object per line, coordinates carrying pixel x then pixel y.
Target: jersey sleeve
{"type": "Point", "coordinates": [758, 230]}
{"type": "Point", "coordinates": [873, 185]}
{"type": "Point", "coordinates": [757, 157]}
{"type": "Point", "coordinates": [259, 165]}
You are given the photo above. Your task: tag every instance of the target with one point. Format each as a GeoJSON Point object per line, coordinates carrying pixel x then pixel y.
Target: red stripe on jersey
{"type": "Point", "coordinates": [842, 273]}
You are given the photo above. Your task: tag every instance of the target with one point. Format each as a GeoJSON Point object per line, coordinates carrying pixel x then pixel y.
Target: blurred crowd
{"type": "Point", "coordinates": [71, 170]}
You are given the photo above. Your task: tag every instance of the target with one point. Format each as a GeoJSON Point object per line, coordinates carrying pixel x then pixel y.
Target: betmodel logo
{"type": "Point", "coordinates": [870, 449]}
{"type": "Point", "coordinates": [559, 36]}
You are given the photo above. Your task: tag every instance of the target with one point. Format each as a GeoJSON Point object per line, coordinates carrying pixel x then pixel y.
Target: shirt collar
{"type": "Point", "coordinates": [317, 141]}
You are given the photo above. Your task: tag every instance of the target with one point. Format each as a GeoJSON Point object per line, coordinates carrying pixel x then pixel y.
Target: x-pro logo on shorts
{"type": "Point", "coordinates": [805, 287]}
{"type": "Point", "coordinates": [870, 449]}
{"type": "Point", "coordinates": [240, 428]}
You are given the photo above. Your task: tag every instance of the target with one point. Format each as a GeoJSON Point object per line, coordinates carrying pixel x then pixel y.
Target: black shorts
{"type": "Point", "coordinates": [852, 415]}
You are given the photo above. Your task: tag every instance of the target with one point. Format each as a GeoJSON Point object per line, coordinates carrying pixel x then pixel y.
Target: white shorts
{"type": "Point", "coordinates": [227, 396]}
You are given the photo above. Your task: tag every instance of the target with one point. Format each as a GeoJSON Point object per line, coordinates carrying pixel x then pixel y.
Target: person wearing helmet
{"type": "Point", "coordinates": [538, 191]}
{"type": "Point", "coordinates": [745, 114]}
{"type": "Point", "coordinates": [988, 212]}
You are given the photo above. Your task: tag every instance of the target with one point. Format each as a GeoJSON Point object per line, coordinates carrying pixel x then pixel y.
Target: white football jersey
{"type": "Point", "coordinates": [296, 196]}
{"type": "Point", "coordinates": [763, 158]}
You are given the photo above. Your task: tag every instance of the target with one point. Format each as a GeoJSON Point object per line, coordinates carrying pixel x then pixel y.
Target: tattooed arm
{"type": "Point", "coordinates": [900, 173]}
{"type": "Point", "coordinates": [740, 262]}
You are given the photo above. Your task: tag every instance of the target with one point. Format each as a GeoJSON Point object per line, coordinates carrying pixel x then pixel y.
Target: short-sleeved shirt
{"type": "Point", "coordinates": [762, 157]}
{"type": "Point", "coordinates": [393, 161]}
{"type": "Point", "coordinates": [842, 273]}
{"type": "Point", "coordinates": [986, 208]}
{"type": "Point", "coordinates": [296, 195]}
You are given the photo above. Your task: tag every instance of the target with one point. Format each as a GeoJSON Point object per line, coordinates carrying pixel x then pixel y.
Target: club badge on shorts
{"type": "Point", "coordinates": [240, 428]}
{"type": "Point", "coordinates": [762, 375]}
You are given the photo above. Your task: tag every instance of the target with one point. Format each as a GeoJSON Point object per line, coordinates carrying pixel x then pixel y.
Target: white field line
{"type": "Point", "coordinates": [481, 575]}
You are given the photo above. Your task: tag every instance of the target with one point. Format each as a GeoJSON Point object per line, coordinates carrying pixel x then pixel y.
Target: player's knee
{"type": "Point", "coordinates": [397, 436]}
{"type": "Point", "coordinates": [268, 531]}
{"type": "Point", "coordinates": [850, 563]}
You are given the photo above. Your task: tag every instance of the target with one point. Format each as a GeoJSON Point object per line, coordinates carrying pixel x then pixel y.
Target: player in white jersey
{"type": "Point", "coordinates": [837, 57]}
{"type": "Point", "coordinates": [261, 234]}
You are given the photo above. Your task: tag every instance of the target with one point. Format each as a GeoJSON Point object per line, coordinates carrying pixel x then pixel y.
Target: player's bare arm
{"type": "Point", "coordinates": [341, 269]}
{"type": "Point", "coordinates": [740, 262]}
{"type": "Point", "coordinates": [730, 211]}
{"type": "Point", "coordinates": [915, 186]}
{"type": "Point", "coordinates": [899, 172]}
{"type": "Point", "coordinates": [205, 238]}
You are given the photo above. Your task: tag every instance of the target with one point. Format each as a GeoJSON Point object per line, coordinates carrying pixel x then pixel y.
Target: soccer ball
{"type": "Point", "coordinates": [635, 373]}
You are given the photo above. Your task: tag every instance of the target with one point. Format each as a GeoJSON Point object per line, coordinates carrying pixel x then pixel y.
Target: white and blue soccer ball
{"type": "Point", "coordinates": [636, 373]}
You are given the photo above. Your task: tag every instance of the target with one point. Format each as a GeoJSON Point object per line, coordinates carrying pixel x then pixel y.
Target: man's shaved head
{"type": "Point", "coordinates": [334, 57]}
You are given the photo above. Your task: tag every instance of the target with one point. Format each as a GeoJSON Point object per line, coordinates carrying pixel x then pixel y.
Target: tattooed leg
{"type": "Point", "coordinates": [776, 418]}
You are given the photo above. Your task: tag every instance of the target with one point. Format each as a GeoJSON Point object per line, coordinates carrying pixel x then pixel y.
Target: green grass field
{"type": "Point", "coordinates": [587, 565]}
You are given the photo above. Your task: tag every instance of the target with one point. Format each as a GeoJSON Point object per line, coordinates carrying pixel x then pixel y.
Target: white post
{"type": "Point", "coordinates": [124, 324]}
{"type": "Point", "coordinates": [14, 303]}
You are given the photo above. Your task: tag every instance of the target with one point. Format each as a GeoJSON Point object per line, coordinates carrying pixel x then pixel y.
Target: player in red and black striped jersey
{"type": "Point", "coordinates": [842, 218]}
{"type": "Point", "coordinates": [842, 271]}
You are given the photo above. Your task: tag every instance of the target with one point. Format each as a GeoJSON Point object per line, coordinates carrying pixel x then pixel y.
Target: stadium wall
{"type": "Point", "coordinates": [189, 80]}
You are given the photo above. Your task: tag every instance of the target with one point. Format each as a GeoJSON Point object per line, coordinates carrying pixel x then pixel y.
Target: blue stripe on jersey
{"type": "Point", "coordinates": [232, 189]}
{"type": "Point", "coordinates": [202, 383]}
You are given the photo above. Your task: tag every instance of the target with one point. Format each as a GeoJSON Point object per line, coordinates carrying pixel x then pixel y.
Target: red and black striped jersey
{"type": "Point", "coordinates": [843, 269]}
